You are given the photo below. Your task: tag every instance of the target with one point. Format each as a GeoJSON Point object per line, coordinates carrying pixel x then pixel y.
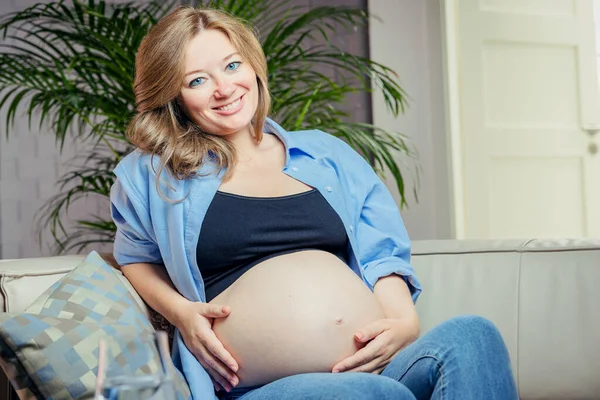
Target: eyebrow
{"type": "Point", "coordinates": [200, 70]}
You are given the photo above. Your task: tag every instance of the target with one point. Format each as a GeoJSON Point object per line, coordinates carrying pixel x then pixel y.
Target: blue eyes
{"type": "Point", "coordinates": [197, 82]}
{"type": "Point", "coordinates": [232, 66]}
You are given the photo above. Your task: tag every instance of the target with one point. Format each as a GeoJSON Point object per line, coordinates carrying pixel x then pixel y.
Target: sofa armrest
{"type": "Point", "coordinates": [24, 280]}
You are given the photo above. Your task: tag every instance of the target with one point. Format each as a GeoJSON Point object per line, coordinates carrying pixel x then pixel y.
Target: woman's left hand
{"type": "Point", "coordinates": [385, 338]}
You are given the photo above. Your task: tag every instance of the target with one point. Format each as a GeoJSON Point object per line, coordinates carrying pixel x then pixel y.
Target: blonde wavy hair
{"type": "Point", "coordinates": [160, 126]}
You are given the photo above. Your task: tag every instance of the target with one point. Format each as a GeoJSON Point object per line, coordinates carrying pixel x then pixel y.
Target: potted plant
{"type": "Point", "coordinates": [72, 64]}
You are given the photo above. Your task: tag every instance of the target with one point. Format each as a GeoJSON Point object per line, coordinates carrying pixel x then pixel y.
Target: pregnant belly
{"type": "Point", "coordinates": [292, 314]}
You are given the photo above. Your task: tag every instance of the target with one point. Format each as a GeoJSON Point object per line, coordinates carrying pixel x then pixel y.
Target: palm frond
{"type": "Point", "coordinates": [71, 65]}
{"type": "Point", "coordinates": [90, 176]}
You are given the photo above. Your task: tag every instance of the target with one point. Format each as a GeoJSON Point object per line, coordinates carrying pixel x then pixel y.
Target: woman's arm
{"type": "Point", "coordinates": [384, 253]}
{"type": "Point", "coordinates": [395, 299]}
{"type": "Point", "coordinates": [383, 245]}
{"type": "Point", "coordinates": [193, 319]}
{"type": "Point", "coordinates": [136, 250]}
{"type": "Point", "coordinates": [152, 283]}
{"type": "Point", "coordinates": [384, 338]}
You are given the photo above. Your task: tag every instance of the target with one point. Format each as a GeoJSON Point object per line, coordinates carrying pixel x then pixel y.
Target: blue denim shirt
{"type": "Point", "coordinates": [152, 230]}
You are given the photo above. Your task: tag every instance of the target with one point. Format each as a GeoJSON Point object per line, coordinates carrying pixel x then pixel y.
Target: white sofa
{"type": "Point", "coordinates": [542, 295]}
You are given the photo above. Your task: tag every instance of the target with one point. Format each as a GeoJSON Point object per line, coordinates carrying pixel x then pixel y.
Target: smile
{"type": "Point", "coordinates": [230, 106]}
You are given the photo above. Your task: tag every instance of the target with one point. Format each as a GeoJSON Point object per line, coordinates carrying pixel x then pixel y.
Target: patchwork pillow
{"type": "Point", "coordinates": [51, 350]}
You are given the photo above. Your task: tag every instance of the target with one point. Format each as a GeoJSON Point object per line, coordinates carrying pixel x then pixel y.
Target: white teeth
{"type": "Point", "coordinates": [230, 106]}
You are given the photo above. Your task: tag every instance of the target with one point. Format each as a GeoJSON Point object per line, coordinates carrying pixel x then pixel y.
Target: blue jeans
{"type": "Point", "coordinates": [463, 358]}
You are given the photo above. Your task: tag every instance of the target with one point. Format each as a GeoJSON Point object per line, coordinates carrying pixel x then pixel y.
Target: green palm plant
{"type": "Point", "coordinates": [72, 65]}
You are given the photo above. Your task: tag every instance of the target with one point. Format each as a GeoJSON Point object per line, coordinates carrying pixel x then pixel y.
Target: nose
{"type": "Point", "coordinates": [224, 88]}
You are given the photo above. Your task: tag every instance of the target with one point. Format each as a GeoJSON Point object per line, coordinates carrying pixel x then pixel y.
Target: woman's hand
{"type": "Point", "coordinates": [385, 338]}
{"type": "Point", "coordinates": [195, 325]}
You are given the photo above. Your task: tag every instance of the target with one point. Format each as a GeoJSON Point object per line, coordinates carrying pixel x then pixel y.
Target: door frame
{"type": "Point", "coordinates": [449, 31]}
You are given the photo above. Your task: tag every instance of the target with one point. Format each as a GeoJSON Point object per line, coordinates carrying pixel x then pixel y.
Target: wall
{"type": "Point", "coordinates": [358, 105]}
{"type": "Point", "coordinates": [407, 38]}
{"type": "Point", "coordinates": [30, 163]}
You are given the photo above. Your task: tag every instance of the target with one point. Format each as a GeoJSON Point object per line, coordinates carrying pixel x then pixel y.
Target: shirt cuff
{"type": "Point", "coordinates": [393, 265]}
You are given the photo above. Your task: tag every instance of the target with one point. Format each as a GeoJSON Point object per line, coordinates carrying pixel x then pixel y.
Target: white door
{"type": "Point", "coordinates": [528, 104]}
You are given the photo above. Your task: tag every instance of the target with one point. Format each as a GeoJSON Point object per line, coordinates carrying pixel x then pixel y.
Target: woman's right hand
{"type": "Point", "coordinates": [195, 325]}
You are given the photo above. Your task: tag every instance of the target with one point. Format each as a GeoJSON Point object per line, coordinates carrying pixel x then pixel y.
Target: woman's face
{"type": "Point", "coordinates": [220, 91]}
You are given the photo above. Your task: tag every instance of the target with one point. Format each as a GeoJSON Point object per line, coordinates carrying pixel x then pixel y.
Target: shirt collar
{"type": "Point", "coordinates": [289, 139]}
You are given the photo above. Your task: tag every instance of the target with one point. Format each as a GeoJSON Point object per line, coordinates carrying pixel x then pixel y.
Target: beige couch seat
{"type": "Point", "coordinates": [542, 295]}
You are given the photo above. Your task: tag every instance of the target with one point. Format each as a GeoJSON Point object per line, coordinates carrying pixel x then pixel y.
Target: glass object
{"type": "Point", "coordinates": [135, 368]}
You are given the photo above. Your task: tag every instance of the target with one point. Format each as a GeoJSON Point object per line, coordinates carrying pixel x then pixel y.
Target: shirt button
{"type": "Point", "coordinates": [351, 228]}
{"type": "Point", "coordinates": [328, 188]}
{"type": "Point", "coordinates": [294, 169]}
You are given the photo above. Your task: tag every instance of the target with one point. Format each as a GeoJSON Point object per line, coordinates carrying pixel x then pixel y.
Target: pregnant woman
{"type": "Point", "coordinates": [280, 257]}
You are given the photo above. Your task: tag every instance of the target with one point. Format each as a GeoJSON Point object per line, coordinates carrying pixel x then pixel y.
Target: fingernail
{"type": "Point", "coordinates": [360, 336]}
{"type": "Point", "coordinates": [335, 371]}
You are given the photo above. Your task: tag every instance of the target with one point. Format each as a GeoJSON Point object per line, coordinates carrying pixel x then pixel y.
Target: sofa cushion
{"type": "Point", "coordinates": [559, 323]}
{"type": "Point", "coordinates": [51, 350]}
{"type": "Point", "coordinates": [540, 293]}
{"type": "Point", "coordinates": [470, 277]}
{"type": "Point", "coordinates": [22, 281]}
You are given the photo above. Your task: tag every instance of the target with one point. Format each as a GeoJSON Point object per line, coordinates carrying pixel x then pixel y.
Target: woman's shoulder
{"type": "Point", "coordinates": [138, 172]}
{"type": "Point", "coordinates": [323, 145]}
{"type": "Point", "coordinates": [137, 165]}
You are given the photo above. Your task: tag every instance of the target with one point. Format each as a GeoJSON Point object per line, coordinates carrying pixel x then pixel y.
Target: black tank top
{"type": "Point", "coordinates": [238, 232]}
